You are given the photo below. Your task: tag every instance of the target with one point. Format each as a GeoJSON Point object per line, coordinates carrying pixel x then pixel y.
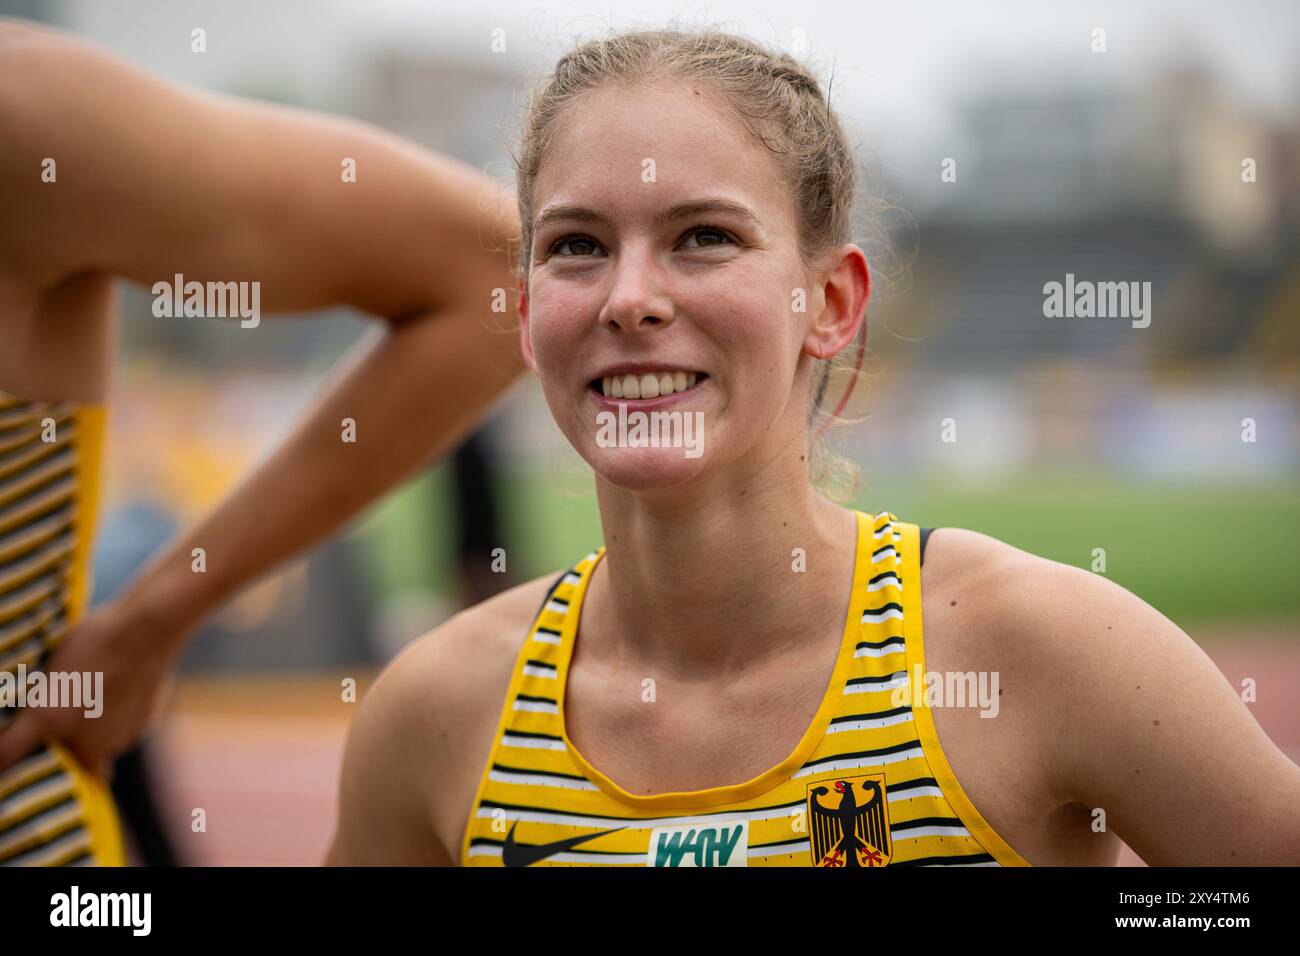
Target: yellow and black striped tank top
{"type": "Point", "coordinates": [51, 812]}
{"type": "Point", "coordinates": [868, 784]}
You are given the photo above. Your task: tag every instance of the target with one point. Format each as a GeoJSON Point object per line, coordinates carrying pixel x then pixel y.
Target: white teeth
{"type": "Point", "coordinates": [648, 385]}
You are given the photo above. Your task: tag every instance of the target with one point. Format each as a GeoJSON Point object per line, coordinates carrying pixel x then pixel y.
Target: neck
{"type": "Point", "coordinates": [703, 581]}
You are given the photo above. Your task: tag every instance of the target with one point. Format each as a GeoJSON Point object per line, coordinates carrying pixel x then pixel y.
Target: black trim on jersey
{"type": "Point", "coordinates": [876, 679]}
{"type": "Point", "coordinates": [879, 715]}
{"type": "Point", "coordinates": [525, 772]}
{"type": "Point", "coordinates": [946, 860]}
{"type": "Point", "coordinates": [863, 754]}
{"type": "Point", "coordinates": [890, 606]}
{"type": "Point", "coordinates": [896, 640]}
{"type": "Point", "coordinates": [634, 820]}
{"type": "Point", "coordinates": [925, 534]}
{"type": "Point", "coordinates": [493, 841]}
{"type": "Point", "coordinates": [926, 822]}
{"type": "Point", "coordinates": [549, 594]}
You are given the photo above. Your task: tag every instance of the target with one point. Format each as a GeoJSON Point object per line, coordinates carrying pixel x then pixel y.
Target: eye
{"type": "Point", "coordinates": [576, 238]}
{"type": "Point", "coordinates": [712, 232]}
{"type": "Point", "coordinates": [582, 245]}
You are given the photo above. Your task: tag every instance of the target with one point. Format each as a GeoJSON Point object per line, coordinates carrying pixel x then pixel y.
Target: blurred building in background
{"type": "Point", "coordinates": [1137, 184]}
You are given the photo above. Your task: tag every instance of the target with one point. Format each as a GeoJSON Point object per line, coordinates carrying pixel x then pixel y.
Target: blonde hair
{"type": "Point", "coordinates": [781, 103]}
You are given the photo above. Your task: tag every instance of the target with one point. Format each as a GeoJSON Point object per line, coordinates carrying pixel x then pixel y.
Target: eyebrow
{"type": "Point", "coordinates": [684, 210]}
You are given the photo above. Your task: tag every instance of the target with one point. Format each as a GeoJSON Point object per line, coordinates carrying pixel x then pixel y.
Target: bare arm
{"type": "Point", "coordinates": [257, 195]}
{"type": "Point", "coordinates": [1149, 730]}
{"type": "Point", "coordinates": [418, 745]}
{"type": "Point", "coordinates": [390, 767]}
{"type": "Point", "coordinates": [153, 180]}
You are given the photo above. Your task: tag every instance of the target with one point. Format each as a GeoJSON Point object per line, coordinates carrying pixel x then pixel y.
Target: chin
{"type": "Point", "coordinates": [644, 469]}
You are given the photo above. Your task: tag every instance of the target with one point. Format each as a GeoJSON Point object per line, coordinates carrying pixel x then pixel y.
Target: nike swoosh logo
{"type": "Point", "coordinates": [513, 854]}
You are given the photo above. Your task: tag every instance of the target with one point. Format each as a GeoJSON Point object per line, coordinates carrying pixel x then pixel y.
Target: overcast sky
{"type": "Point", "coordinates": [907, 57]}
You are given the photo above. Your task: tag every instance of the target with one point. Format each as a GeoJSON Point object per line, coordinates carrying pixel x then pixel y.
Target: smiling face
{"type": "Point", "coordinates": [665, 246]}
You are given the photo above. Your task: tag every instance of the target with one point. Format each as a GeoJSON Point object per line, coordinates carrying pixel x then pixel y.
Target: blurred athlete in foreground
{"type": "Point", "coordinates": [149, 181]}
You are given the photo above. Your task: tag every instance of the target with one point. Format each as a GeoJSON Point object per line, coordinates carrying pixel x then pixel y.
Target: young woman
{"type": "Point", "coordinates": [107, 171]}
{"type": "Point", "coordinates": [732, 677]}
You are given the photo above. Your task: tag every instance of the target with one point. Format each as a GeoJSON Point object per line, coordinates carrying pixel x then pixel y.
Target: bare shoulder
{"type": "Point", "coordinates": [959, 556]}
{"type": "Point", "coordinates": [423, 730]}
{"type": "Point", "coordinates": [1129, 717]}
{"type": "Point", "coordinates": [1035, 618]}
{"type": "Point", "coordinates": [997, 583]}
{"type": "Point", "coordinates": [1036, 609]}
{"type": "Point", "coordinates": [460, 663]}
{"type": "Point", "coordinates": [987, 599]}
{"type": "Point", "coordinates": [981, 601]}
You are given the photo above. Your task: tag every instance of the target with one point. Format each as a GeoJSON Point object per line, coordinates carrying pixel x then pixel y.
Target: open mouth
{"type": "Point", "coordinates": [645, 385]}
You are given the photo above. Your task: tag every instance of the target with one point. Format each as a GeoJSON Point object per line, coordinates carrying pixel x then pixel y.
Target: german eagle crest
{"type": "Point", "coordinates": [852, 831]}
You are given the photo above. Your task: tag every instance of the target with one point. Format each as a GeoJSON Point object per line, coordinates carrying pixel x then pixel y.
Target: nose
{"type": "Point", "coordinates": [637, 299]}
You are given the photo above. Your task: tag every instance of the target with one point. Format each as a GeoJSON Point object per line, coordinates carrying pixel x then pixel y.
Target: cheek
{"type": "Point", "coordinates": [559, 316]}
{"type": "Point", "coordinates": [759, 335]}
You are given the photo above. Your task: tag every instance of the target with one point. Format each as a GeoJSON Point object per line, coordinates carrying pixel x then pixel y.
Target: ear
{"type": "Point", "coordinates": [525, 341]}
{"type": "Point", "coordinates": [846, 288]}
